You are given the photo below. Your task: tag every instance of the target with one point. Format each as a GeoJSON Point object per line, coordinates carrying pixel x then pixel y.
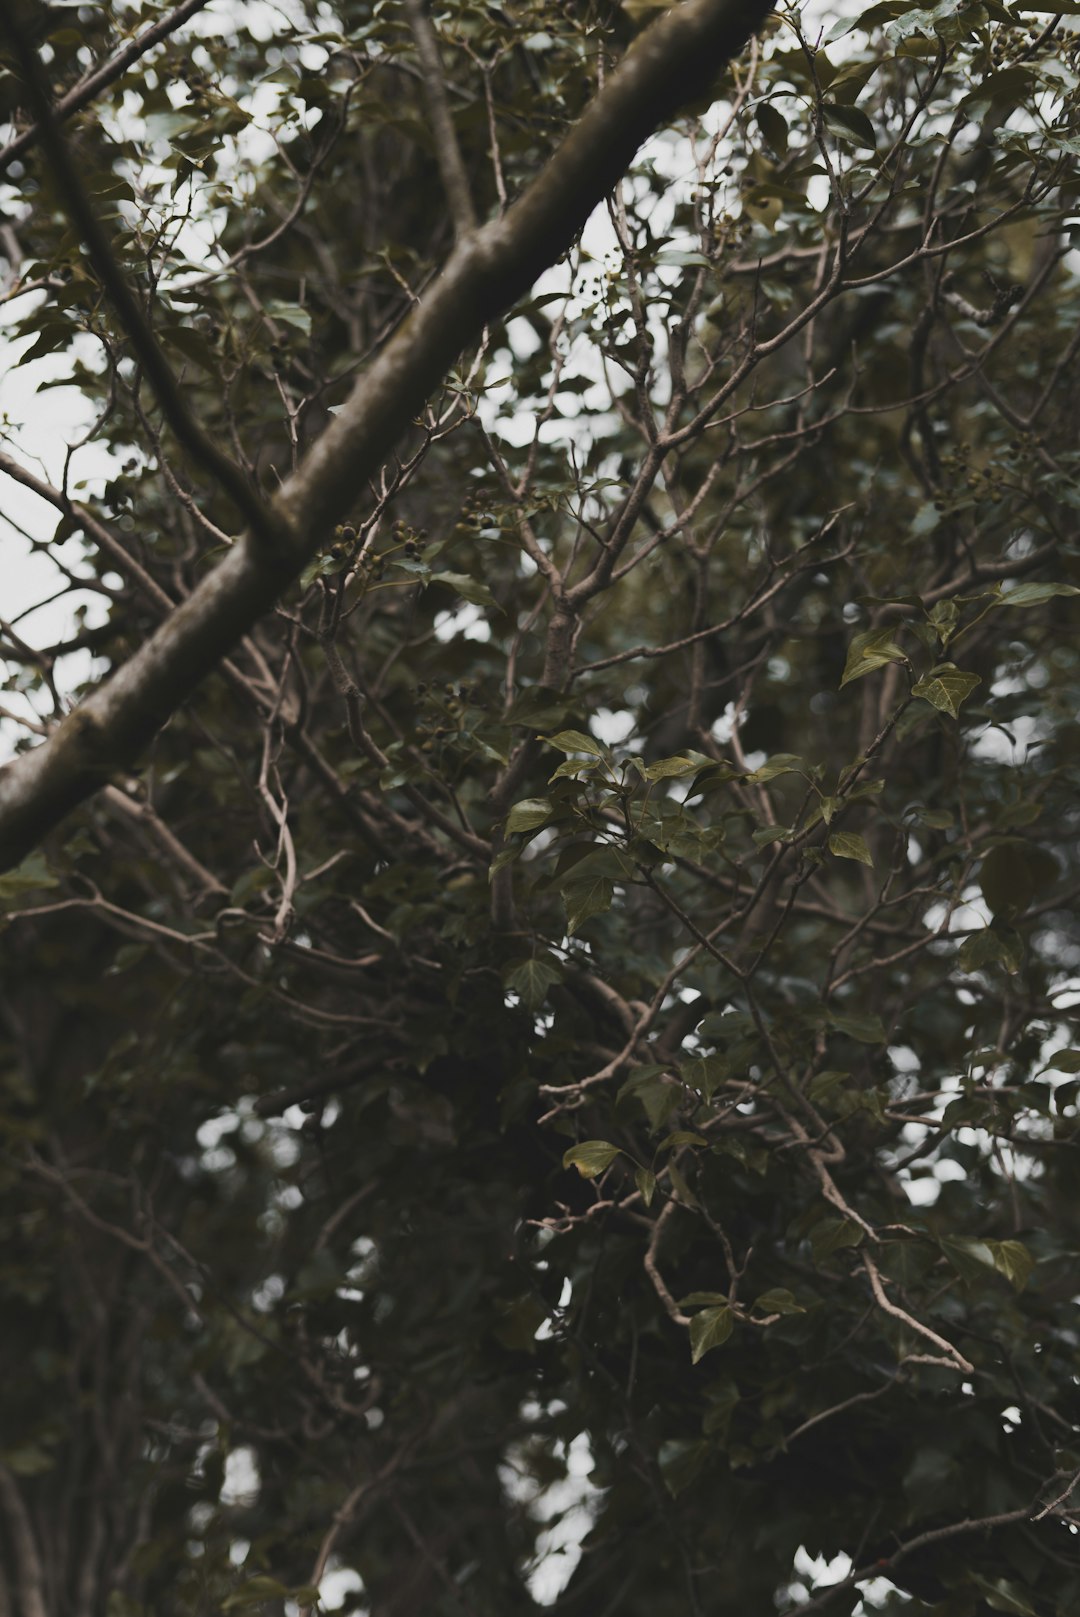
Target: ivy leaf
{"type": "Point", "coordinates": [670, 768]}
{"type": "Point", "coordinates": [681, 1459]}
{"type": "Point", "coordinates": [944, 616]}
{"type": "Point", "coordinates": [529, 814]}
{"type": "Point", "coordinates": [969, 1258]}
{"type": "Point", "coordinates": [658, 1095]}
{"type": "Point", "coordinates": [831, 1235]}
{"type": "Point", "coordinates": [1011, 875]}
{"type": "Point", "coordinates": [33, 873]}
{"type": "Point", "coordinates": [577, 741]}
{"type": "Point", "coordinates": [645, 1180]}
{"type": "Point", "coordinates": [590, 1157]}
{"type": "Point", "coordinates": [947, 688]}
{"type": "Point", "coordinates": [531, 979]}
{"type": "Point", "coordinates": [705, 1073]}
{"type": "Point", "coordinates": [849, 845]}
{"type": "Point", "coordinates": [867, 1028]}
{"type": "Point", "coordinates": [710, 1329]}
{"type": "Point", "coordinates": [680, 1187]}
{"type": "Point", "coordinates": [585, 899]}
{"type": "Point", "coordinates": [1035, 594]}
{"type": "Point", "coordinates": [991, 947]}
{"type": "Point", "coordinates": [769, 834]}
{"type": "Point", "coordinates": [1013, 1260]}
{"type": "Point", "coordinates": [781, 763]}
{"type": "Point", "coordinates": [870, 650]}
{"type": "Point", "coordinates": [778, 1301]}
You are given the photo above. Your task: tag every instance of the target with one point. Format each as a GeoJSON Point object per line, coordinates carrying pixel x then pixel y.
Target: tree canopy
{"type": "Point", "coordinates": [539, 953]}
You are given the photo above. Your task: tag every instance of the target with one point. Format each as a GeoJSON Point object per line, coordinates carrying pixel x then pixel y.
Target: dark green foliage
{"type": "Point", "coordinates": [588, 986]}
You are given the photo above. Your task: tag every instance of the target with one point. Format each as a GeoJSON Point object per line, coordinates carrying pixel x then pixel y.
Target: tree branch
{"type": "Point", "coordinates": [267, 524]}
{"type": "Point", "coordinates": [447, 151]}
{"type": "Point", "coordinates": [99, 78]}
{"type": "Point", "coordinates": [674, 61]}
{"type": "Point", "coordinates": [30, 1576]}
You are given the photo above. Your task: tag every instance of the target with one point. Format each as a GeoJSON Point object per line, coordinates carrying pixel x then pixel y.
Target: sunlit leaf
{"type": "Point", "coordinates": [590, 1157]}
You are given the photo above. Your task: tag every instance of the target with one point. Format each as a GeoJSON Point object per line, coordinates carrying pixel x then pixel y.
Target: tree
{"type": "Point", "coordinates": [539, 943]}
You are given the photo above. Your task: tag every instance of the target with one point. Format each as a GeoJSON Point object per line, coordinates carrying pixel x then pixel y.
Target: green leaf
{"type": "Point", "coordinates": [28, 1460]}
{"type": "Point", "coordinates": [773, 126]}
{"type": "Point", "coordinates": [646, 1183]}
{"type": "Point", "coordinates": [778, 1301]}
{"type": "Point", "coordinates": [947, 688]}
{"type": "Point", "coordinates": [585, 899]}
{"type": "Point", "coordinates": [944, 615]}
{"type": "Point", "coordinates": [192, 344]}
{"type": "Point", "coordinates": [781, 763]}
{"type": "Point", "coordinates": [848, 845]}
{"type": "Point", "coordinates": [254, 1592]}
{"type": "Point", "coordinates": [529, 814]}
{"type": "Point", "coordinates": [590, 1157]}
{"type": "Point", "coordinates": [682, 1459]}
{"type": "Point", "coordinates": [705, 1073]}
{"type": "Point", "coordinates": [31, 875]}
{"type": "Point", "coordinates": [1034, 594]}
{"type": "Point", "coordinates": [577, 741]}
{"type": "Point", "coordinates": [470, 589]}
{"type": "Point", "coordinates": [681, 1137]}
{"type": "Point", "coordinates": [1009, 84]}
{"type": "Point", "coordinates": [1063, 1061]}
{"type": "Point", "coordinates": [872, 649]}
{"type": "Point", "coordinates": [991, 947]}
{"type": "Point", "coordinates": [1012, 873]}
{"type": "Point", "coordinates": [680, 1187]}
{"type": "Point", "coordinates": [851, 125]}
{"type": "Point", "coordinates": [710, 1329]}
{"type": "Point", "coordinates": [1013, 1260]}
{"type": "Point", "coordinates": [704, 1299]}
{"type": "Point", "coordinates": [769, 834]}
{"type": "Point", "coordinates": [832, 1234]}
{"type": "Point", "coordinates": [531, 979]}
{"type": "Point", "coordinates": [669, 768]}
{"type": "Point", "coordinates": [936, 819]}
{"type": "Point", "coordinates": [969, 1258]}
{"type": "Point", "coordinates": [828, 1088]}
{"type": "Point", "coordinates": [658, 1094]}
{"type": "Point", "coordinates": [867, 1028]}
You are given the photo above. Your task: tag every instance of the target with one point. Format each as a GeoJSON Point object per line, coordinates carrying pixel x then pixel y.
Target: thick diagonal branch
{"type": "Point", "coordinates": [674, 61]}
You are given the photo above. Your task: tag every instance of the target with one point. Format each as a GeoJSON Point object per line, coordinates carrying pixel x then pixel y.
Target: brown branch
{"type": "Point", "coordinates": [447, 151]}
{"type": "Point", "coordinates": [143, 814]}
{"type": "Point", "coordinates": [673, 61]}
{"type": "Point", "coordinates": [267, 523]}
{"type": "Point", "coordinates": [932, 1536]}
{"type": "Point", "coordinates": [953, 1356]}
{"type": "Point", "coordinates": [99, 78]}
{"type": "Point", "coordinates": [30, 1576]}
